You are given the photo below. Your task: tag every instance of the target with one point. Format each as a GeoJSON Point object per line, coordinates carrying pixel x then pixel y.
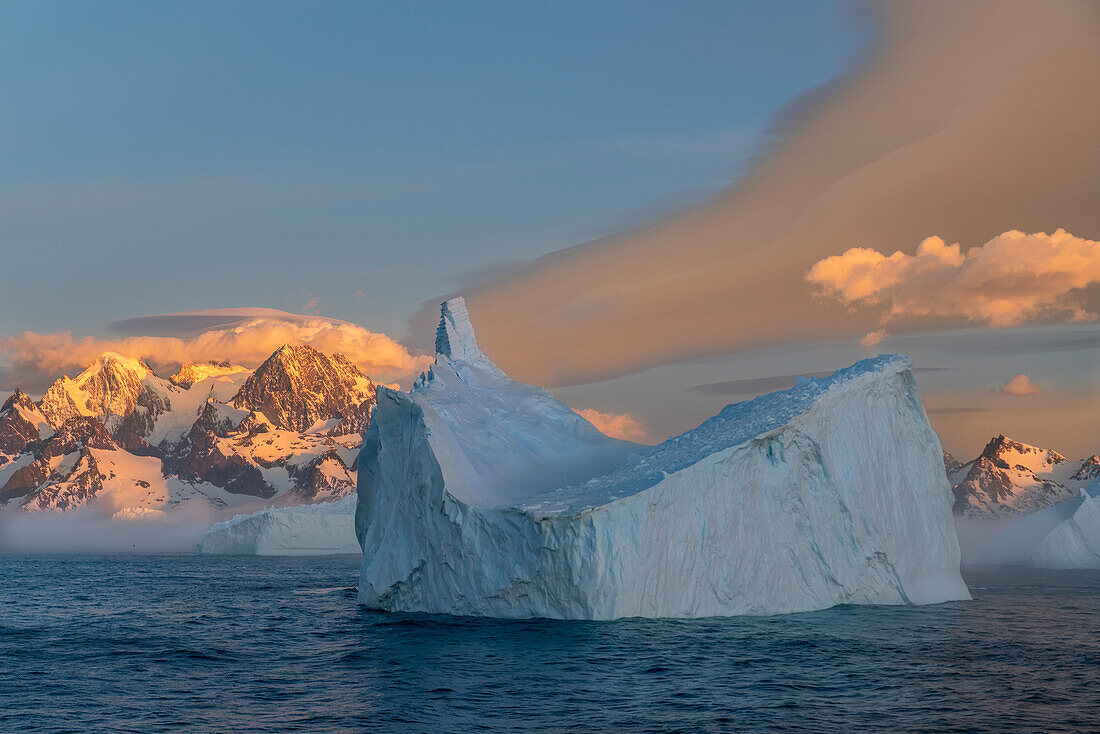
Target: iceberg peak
{"type": "Point", "coordinates": [454, 338]}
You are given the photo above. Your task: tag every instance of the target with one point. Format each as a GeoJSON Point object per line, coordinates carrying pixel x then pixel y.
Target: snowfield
{"type": "Point", "coordinates": [482, 496]}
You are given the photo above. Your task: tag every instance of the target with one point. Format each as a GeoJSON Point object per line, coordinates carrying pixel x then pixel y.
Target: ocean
{"type": "Point", "coordinates": [183, 643]}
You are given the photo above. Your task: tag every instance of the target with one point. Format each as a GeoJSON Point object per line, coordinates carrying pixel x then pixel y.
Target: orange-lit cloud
{"type": "Point", "coordinates": [248, 343]}
{"type": "Point", "coordinates": [1012, 279]}
{"type": "Point", "coordinates": [967, 119]}
{"type": "Point", "coordinates": [1020, 385]}
{"type": "Point", "coordinates": [616, 425]}
{"type": "Point", "coordinates": [873, 338]}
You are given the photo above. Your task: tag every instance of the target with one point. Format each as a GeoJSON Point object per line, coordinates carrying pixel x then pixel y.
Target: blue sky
{"type": "Point", "coordinates": [162, 157]}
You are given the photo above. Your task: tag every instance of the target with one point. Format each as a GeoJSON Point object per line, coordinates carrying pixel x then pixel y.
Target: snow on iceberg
{"type": "Point", "coordinates": [482, 496]}
{"type": "Point", "coordinates": [304, 530]}
{"type": "Point", "coordinates": [1065, 536]}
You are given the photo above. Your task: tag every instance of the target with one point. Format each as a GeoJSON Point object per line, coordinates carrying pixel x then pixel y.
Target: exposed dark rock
{"type": "Point", "coordinates": [324, 478]}
{"type": "Point", "coordinates": [233, 472]}
{"type": "Point", "coordinates": [212, 419]}
{"type": "Point", "coordinates": [1089, 470]}
{"type": "Point", "coordinates": [74, 435]}
{"type": "Point", "coordinates": [78, 486]}
{"type": "Point", "coordinates": [298, 386]}
{"type": "Point", "coordinates": [17, 430]}
{"type": "Point", "coordinates": [147, 408]}
{"type": "Point", "coordinates": [950, 464]}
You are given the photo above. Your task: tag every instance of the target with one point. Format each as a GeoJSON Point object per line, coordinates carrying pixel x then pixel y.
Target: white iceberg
{"type": "Point", "coordinates": [482, 496]}
{"type": "Point", "coordinates": [304, 530]}
{"type": "Point", "coordinates": [1065, 536]}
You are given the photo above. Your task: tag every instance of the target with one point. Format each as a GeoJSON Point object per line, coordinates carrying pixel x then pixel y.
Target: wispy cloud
{"type": "Point", "coordinates": [864, 164]}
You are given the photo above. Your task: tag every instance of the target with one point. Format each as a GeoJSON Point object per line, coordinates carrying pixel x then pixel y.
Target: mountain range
{"type": "Point", "coordinates": [1009, 479]}
{"type": "Point", "coordinates": [130, 441]}
{"type": "Point", "coordinates": [288, 432]}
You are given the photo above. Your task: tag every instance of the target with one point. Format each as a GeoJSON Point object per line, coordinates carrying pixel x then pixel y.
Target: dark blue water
{"type": "Point", "coordinates": [189, 643]}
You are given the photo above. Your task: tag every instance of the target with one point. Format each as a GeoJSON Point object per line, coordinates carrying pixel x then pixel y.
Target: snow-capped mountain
{"type": "Point", "coordinates": [298, 388]}
{"type": "Point", "coordinates": [1010, 478]}
{"type": "Point", "coordinates": [132, 442]}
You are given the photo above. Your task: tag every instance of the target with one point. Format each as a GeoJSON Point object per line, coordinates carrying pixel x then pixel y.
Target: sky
{"type": "Point", "coordinates": [167, 157]}
{"type": "Point", "coordinates": [742, 174]}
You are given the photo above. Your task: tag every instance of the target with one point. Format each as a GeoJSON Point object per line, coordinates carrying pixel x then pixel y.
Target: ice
{"type": "Point", "coordinates": [479, 495]}
{"type": "Point", "coordinates": [1065, 536]}
{"type": "Point", "coordinates": [303, 530]}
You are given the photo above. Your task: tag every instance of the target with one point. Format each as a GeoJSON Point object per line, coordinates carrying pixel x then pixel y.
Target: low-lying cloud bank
{"type": "Point", "coordinates": [88, 530]}
{"type": "Point", "coordinates": [1012, 279]}
{"type": "Point", "coordinates": [33, 358]}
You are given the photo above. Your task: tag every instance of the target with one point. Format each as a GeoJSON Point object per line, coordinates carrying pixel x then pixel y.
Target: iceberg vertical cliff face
{"type": "Point", "coordinates": [479, 495]}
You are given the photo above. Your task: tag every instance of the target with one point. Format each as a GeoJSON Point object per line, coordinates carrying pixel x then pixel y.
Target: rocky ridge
{"type": "Point", "coordinates": [1010, 479]}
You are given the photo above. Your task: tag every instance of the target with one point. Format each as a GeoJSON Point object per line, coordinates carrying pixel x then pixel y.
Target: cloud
{"type": "Point", "coordinates": [873, 338]}
{"type": "Point", "coordinates": [1020, 385]}
{"type": "Point", "coordinates": [1012, 279]}
{"type": "Point", "coordinates": [33, 357]}
{"type": "Point", "coordinates": [616, 425]}
{"type": "Point", "coordinates": [190, 323]}
{"type": "Point", "coordinates": [912, 141]}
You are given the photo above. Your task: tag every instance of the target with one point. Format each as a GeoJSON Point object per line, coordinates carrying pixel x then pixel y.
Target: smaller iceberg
{"type": "Point", "coordinates": [305, 530]}
{"type": "Point", "coordinates": [1065, 536]}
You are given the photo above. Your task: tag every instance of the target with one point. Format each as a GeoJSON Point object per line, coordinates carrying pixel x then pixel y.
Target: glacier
{"type": "Point", "coordinates": [327, 528]}
{"type": "Point", "coordinates": [479, 495]}
{"type": "Point", "coordinates": [1065, 536]}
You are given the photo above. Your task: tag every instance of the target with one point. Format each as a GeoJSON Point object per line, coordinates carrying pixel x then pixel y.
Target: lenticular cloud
{"type": "Point", "coordinates": [1012, 279]}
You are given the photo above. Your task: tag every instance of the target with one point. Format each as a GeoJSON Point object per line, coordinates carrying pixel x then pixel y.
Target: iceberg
{"type": "Point", "coordinates": [479, 495]}
{"type": "Point", "coordinates": [304, 530]}
{"type": "Point", "coordinates": [1065, 536]}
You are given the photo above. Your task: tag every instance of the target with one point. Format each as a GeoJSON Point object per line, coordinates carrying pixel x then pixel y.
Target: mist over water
{"type": "Point", "coordinates": [174, 643]}
{"type": "Point", "coordinates": [89, 530]}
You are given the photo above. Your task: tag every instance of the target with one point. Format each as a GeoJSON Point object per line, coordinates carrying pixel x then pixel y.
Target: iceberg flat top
{"type": "Point", "coordinates": [734, 425]}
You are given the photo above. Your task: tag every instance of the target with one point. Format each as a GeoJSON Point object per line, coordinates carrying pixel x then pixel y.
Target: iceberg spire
{"type": "Point", "coordinates": [454, 338]}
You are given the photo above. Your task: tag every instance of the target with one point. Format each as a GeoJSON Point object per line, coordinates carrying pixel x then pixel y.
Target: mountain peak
{"type": "Point", "coordinates": [19, 398]}
{"type": "Point", "coordinates": [1003, 449]}
{"type": "Point", "coordinates": [297, 386]}
{"type": "Point", "coordinates": [291, 353]}
{"type": "Point", "coordinates": [454, 338]}
{"type": "Point", "coordinates": [117, 362]}
{"type": "Point", "coordinates": [109, 389]}
{"type": "Point", "coordinates": [1010, 478]}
